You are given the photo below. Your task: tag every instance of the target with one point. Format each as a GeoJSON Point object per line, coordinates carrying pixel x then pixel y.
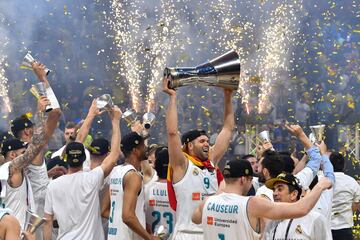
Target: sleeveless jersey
{"type": "Point", "coordinates": [196, 184]}
{"type": "Point", "coordinates": [158, 210]}
{"type": "Point", "coordinates": [118, 230]}
{"type": "Point", "coordinates": [225, 218]}
{"type": "Point", "coordinates": [17, 199]}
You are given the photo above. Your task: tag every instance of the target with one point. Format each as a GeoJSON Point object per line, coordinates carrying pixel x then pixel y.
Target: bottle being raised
{"type": "Point", "coordinates": [223, 71]}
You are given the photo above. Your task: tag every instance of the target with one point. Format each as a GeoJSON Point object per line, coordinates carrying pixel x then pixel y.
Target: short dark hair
{"type": "Point", "coordinates": [338, 161]}
{"type": "Point", "coordinates": [131, 141]}
{"type": "Point", "coordinates": [292, 188]}
{"type": "Point", "coordinates": [247, 156]}
{"type": "Point", "coordinates": [289, 164]}
{"type": "Point", "coordinates": [70, 125]}
{"type": "Point", "coordinates": [273, 163]}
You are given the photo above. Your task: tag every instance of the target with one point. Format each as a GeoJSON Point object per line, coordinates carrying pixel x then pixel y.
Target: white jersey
{"type": "Point", "coordinates": [313, 226]}
{"type": "Point", "coordinates": [225, 216]}
{"type": "Point", "coordinates": [263, 191]}
{"type": "Point", "coordinates": [17, 199]}
{"type": "Point", "coordinates": [73, 200]}
{"type": "Point", "coordinates": [158, 210]}
{"type": "Point", "coordinates": [196, 184]}
{"type": "Point", "coordinates": [118, 230]}
{"type": "Point", "coordinates": [346, 192]}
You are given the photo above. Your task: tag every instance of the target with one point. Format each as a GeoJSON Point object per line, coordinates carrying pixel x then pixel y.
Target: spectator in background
{"type": "Point", "coordinates": [69, 132]}
{"type": "Point", "coordinates": [301, 111]}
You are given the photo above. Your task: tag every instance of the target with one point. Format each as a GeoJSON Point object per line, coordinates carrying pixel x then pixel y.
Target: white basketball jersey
{"type": "Point", "coordinates": [118, 230]}
{"type": "Point", "coordinates": [158, 210]}
{"type": "Point", "coordinates": [17, 199]}
{"type": "Point", "coordinates": [196, 184]}
{"type": "Point", "coordinates": [225, 218]}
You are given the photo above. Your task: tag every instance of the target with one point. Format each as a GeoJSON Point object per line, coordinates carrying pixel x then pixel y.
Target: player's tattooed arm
{"type": "Point", "coordinates": [38, 141]}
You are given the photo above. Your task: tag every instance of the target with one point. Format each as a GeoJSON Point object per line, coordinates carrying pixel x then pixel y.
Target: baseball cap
{"type": "Point", "coordinates": [192, 135]}
{"type": "Point", "coordinates": [287, 178]}
{"type": "Point", "coordinates": [237, 168]}
{"type": "Point", "coordinates": [11, 145]}
{"type": "Point", "coordinates": [99, 147]}
{"type": "Point", "coordinates": [56, 161]}
{"type": "Point", "coordinates": [19, 124]}
{"type": "Point", "coordinates": [131, 141]}
{"type": "Point", "coordinates": [75, 154]}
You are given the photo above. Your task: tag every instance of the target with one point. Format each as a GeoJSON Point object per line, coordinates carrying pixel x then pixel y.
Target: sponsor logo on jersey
{"type": "Point", "coordinates": [195, 172]}
{"type": "Point", "coordinates": [196, 196]}
{"type": "Point", "coordinates": [210, 220]}
{"type": "Point", "coordinates": [151, 202]}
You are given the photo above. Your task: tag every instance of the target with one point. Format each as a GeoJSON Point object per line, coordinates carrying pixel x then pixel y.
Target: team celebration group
{"type": "Point", "coordinates": [173, 192]}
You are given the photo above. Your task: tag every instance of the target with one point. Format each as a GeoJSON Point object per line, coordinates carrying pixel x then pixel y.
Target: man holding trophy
{"type": "Point", "coordinates": [193, 164]}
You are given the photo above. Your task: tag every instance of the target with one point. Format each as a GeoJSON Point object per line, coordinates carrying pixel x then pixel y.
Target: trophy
{"type": "Point", "coordinates": [318, 131]}
{"type": "Point", "coordinates": [104, 102]}
{"type": "Point", "coordinates": [312, 138]}
{"type": "Point", "coordinates": [39, 90]}
{"type": "Point", "coordinates": [129, 116]}
{"type": "Point", "coordinates": [26, 63]}
{"type": "Point", "coordinates": [148, 119]}
{"type": "Point", "coordinates": [264, 137]}
{"type": "Point", "coordinates": [223, 71]}
{"type": "Point", "coordinates": [32, 222]}
{"type": "Point", "coordinates": [162, 232]}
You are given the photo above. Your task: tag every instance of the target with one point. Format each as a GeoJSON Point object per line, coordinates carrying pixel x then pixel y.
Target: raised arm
{"type": "Point", "coordinates": [110, 161]}
{"type": "Point", "coordinates": [53, 116]}
{"type": "Point", "coordinates": [261, 208]}
{"type": "Point", "coordinates": [86, 125]}
{"type": "Point", "coordinates": [176, 156]}
{"type": "Point", "coordinates": [38, 139]}
{"type": "Point", "coordinates": [224, 138]}
{"type": "Point", "coordinates": [311, 150]}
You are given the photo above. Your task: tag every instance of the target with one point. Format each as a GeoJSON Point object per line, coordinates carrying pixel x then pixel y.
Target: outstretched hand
{"type": "Point", "coordinates": [39, 70]}
{"type": "Point", "coordinates": [94, 110]}
{"type": "Point", "coordinates": [42, 103]}
{"type": "Point", "coordinates": [115, 113]}
{"type": "Point", "coordinates": [295, 130]}
{"type": "Point", "coordinates": [166, 89]}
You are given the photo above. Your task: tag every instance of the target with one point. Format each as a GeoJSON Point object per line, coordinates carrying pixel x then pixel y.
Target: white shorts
{"type": "Point", "coordinates": [187, 236]}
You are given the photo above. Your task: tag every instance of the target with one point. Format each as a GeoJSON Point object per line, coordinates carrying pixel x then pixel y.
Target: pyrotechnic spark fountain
{"type": "Point", "coordinates": [280, 34]}
{"type": "Point", "coordinates": [124, 21]}
{"type": "Point", "coordinates": [163, 39]}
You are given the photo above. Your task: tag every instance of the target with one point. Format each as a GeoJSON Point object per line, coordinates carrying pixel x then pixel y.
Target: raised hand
{"type": "Point", "coordinates": [39, 70]}
{"type": "Point", "coordinates": [94, 110]}
{"type": "Point", "coordinates": [42, 103]}
{"type": "Point", "coordinates": [295, 130]}
{"type": "Point", "coordinates": [115, 113]}
{"type": "Point", "coordinates": [166, 89]}
{"type": "Point", "coordinates": [323, 148]}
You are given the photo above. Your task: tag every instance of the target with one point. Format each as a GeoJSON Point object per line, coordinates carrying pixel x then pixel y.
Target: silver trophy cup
{"type": "Point", "coordinates": [129, 116]}
{"type": "Point", "coordinates": [39, 90]}
{"type": "Point", "coordinates": [223, 71]}
{"type": "Point", "coordinates": [318, 131]}
{"type": "Point", "coordinates": [162, 232]}
{"type": "Point", "coordinates": [32, 222]}
{"type": "Point", "coordinates": [264, 137]}
{"type": "Point", "coordinates": [104, 102]}
{"type": "Point", "coordinates": [26, 63]}
{"type": "Point", "coordinates": [148, 120]}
